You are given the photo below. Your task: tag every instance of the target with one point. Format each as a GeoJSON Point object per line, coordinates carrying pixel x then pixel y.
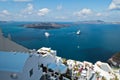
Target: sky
{"type": "Point", "coordinates": [59, 10]}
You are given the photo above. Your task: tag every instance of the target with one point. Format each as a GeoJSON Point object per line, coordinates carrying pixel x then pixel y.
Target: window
{"type": "Point", "coordinates": [14, 76]}
{"type": "Point", "coordinates": [39, 67]}
{"type": "Point", "coordinates": [31, 72]}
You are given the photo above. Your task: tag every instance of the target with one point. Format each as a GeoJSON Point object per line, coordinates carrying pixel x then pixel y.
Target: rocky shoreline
{"type": "Point", "coordinates": [115, 60]}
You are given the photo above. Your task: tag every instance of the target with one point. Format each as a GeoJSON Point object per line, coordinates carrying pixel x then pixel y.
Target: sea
{"type": "Point", "coordinates": [96, 42]}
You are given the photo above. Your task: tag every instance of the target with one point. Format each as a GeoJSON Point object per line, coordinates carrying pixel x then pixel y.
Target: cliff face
{"type": "Point", "coordinates": [115, 60]}
{"type": "Point", "coordinates": [8, 45]}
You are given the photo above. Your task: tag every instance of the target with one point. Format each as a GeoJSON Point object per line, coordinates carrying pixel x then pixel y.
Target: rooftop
{"type": "Point", "coordinates": [12, 61]}
{"type": "Point", "coordinates": [45, 50]}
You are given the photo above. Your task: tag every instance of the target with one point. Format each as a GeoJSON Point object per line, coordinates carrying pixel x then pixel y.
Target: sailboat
{"type": "Point", "coordinates": [78, 32]}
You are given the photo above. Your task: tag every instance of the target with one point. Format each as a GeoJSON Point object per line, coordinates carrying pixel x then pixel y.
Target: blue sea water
{"type": "Point", "coordinates": [95, 42]}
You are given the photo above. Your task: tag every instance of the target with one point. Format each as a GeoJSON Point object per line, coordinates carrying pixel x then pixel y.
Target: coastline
{"type": "Point", "coordinates": [77, 68]}
{"type": "Point", "coordinates": [115, 60]}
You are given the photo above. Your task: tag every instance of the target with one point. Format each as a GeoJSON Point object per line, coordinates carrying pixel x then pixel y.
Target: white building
{"type": "Point", "coordinates": [50, 60]}
{"type": "Point", "coordinates": [47, 56]}
{"type": "Point", "coordinates": [19, 66]}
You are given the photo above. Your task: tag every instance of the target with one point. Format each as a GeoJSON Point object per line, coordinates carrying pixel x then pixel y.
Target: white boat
{"type": "Point", "coordinates": [47, 34]}
{"type": "Point", "coordinates": [78, 32]}
{"type": "Point", "coordinates": [78, 46]}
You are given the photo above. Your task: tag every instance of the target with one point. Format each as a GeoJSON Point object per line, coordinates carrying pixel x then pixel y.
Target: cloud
{"type": "Point", "coordinates": [29, 9]}
{"type": "Point", "coordinates": [20, 15]}
{"type": "Point", "coordinates": [5, 12]}
{"type": "Point", "coordinates": [88, 14]}
{"type": "Point", "coordinates": [25, 12]}
{"type": "Point", "coordinates": [5, 15]}
{"type": "Point", "coordinates": [60, 17]}
{"type": "Point", "coordinates": [99, 14]}
{"type": "Point", "coordinates": [43, 12]}
{"type": "Point", "coordinates": [103, 14]}
{"type": "Point", "coordinates": [59, 7]}
{"type": "Point", "coordinates": [22, 0]}
{"type": "Point", "coordinates": [83, 12]}
{"type": "Point", "coordinates": [114, 5]}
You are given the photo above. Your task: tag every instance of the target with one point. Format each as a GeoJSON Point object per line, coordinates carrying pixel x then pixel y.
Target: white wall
{"type": "Point", "coordinates": [5, 75]}
{"type": "Point", "coordinates": [47, 59]}
{"type": "Point", "coordinates": [32, 63]}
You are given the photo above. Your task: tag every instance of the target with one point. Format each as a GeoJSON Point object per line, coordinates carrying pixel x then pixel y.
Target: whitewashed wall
{"type": "Point", "coordinates": [5, 75]}
{"type": "Point", "coordinates": [31, 63]}
{"type": "Point", "coordinates": [47, 60]}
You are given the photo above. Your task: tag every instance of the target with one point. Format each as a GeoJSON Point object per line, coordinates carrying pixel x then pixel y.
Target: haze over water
{"type": "Point", "coordinates": [95, 42]}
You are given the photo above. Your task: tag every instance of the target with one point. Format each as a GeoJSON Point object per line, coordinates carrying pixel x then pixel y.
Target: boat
{"type": "Point", "coordinates": [47, 34]}
{"type": "Point", "coordinates": [78, 32]}
{"type": "Point", "coordinates": [78, 46]}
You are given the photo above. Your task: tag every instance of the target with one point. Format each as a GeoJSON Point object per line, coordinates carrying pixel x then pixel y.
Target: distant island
{"type": "Point", "coordinates": [96, 22]}
{"type": "Point", "coordinates": [3, 21]}
{"type": "Point", "coordinates": [92, 22]}
{"type": "Point", "coordinates": [55, 25]}
{"type": "Point", "coordinates": [46, 25]}
{"type": "Point", "coordinates": [7, 21]}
